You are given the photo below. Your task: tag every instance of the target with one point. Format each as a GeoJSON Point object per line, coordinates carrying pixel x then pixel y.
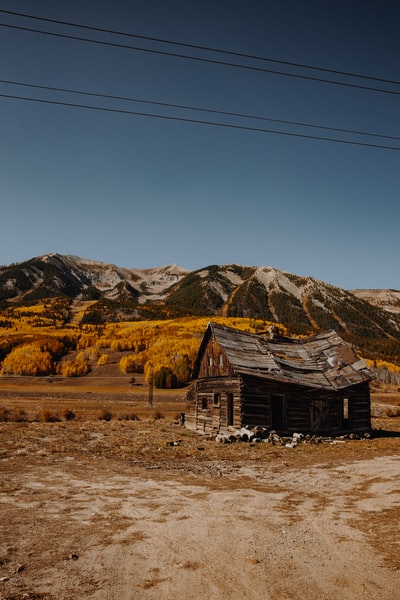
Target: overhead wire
{"type": "Point", "coordinates": [200, 122]}
{"type": "Point", "coordinates": [199, 47]}
{"type": "Point", "coordinates": [204, 60]}
{"type": "Point", "coordinates": [197, 108]}
{"type": "Point", "coordinates": [207, 60]}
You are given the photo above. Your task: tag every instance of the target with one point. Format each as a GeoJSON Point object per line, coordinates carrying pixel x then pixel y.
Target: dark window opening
{"type": "Point", "coordinates": [216, 399]}
{"type": "Point", "coordinates": [204, 404]}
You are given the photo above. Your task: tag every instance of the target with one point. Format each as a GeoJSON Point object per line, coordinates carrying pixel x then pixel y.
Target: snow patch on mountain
{"type": "Point", "coordinates": [269, 276]}
{"type": "Point", "coordinates": [233, 278]}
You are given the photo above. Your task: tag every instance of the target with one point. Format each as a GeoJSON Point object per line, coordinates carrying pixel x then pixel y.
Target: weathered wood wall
{"type": "Point", "coordinates": [305, 410]}
{"type": "Point", "coordinates": [209, 399]}
{"type": "Point", "coordinates": [359, 407]}
{"type": "Point", "coordinates": [214, 361]}
{"type": "Point", "coordinates": [302, 410]}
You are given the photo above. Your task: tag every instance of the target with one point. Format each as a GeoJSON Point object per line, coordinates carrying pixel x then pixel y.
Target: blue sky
{"type": "Point", "coordinates": [144, 192]}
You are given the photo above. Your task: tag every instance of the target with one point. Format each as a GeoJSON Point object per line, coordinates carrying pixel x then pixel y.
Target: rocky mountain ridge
{"type": "Point", "coordinates": [387, 299]}
{"type": "Point", "coordinates": [303, 303]}
{"type": "Point", "coordinates": [77, 277]}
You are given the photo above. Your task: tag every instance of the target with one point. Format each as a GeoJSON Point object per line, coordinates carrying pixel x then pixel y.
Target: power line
{"type": "Point", "coordinates": [199, 47]}
{"type": "Point", "coordinates": [200, 122]}
{"type": "Point", "coordinates": [204, 60]}
{"type": "Point", "coordinates": [199, 109]}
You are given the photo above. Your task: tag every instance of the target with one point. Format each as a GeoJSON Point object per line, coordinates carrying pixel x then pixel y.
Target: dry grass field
{"type": "Point", "coordinates": [122, 502]}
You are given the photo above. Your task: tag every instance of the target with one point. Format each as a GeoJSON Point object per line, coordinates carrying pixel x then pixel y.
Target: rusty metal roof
{"type": "Point", "coordinates": [323, 361]}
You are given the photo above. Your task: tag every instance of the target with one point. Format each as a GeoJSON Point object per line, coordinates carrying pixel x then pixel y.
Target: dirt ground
{"type": "Point", "coordinates": [123, 509]}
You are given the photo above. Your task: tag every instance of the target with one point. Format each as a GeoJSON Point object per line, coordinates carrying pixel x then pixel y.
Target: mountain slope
{"type": "Point", "coordinates": [54, 275]}
{"type": "Point", "coordinates": [386, 299]}
{"type": "Point", "coordinates": [303, 304]}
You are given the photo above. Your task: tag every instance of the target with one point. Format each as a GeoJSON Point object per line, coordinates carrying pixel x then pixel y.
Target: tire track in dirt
{"type": "Point", "coordinates": [158, 534]}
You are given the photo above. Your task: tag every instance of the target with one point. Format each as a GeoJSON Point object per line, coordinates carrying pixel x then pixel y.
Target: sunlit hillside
{"type": "Point", "coordinates": [38, 341]}
{"type": "Point", "coordinates": [63, 316]}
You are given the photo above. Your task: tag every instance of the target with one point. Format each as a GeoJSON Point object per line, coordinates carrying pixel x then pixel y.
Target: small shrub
{"type": "Point", "coordinates": [47, 416]}
{"type": "Point", "coordinates": [105, 415]}
{"type": "Point", "coordinates": [129, 417]}
{"type": "Point", "coordinates": [19, 415]}
{"type": "Point", "coordinates": [4, 414]}
{"type": "Point", "coordinates": [68, 414]}
{"type": "Point", "coordinates": [158, 415]}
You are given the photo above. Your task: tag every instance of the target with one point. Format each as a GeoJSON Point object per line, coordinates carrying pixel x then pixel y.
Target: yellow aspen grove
{"type": "Point", "coordinates": [28, 359]}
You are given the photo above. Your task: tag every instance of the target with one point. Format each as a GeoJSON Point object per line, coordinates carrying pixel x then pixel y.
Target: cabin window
{"type": "Point", "coordinates": [216, 400]}
{"type": "Point", "coordinates": [204, 404]}
{"type": "Point", "coordinates": [210, 361]}
{"type": "Point", "coordinates": [221, 360]}
{"type": "Point", "coordinates": [345, 414]}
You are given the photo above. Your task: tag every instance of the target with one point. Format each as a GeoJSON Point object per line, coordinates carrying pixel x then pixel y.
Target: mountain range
{"type": "Point", "coordinates": [115, 293]}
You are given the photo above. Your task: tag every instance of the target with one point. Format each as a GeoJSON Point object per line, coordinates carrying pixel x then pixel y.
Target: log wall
{"type": "Point", "coordinates": [273, 405]}
{"type": "Point", "coordinates": [209, 399]}
{"type": "Point", "coordinates": [359, 407]}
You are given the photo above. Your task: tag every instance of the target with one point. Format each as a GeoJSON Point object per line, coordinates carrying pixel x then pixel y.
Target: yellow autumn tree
{"type": "Point", "coordinates": [102, 360]}
{"type": "Point", "coordinates": [86, 340]}
{"type": "Point", "coordinates": [27, 359]}
{"type": "Point", "coordinates": [131, 363]}
{"type": "Point", "coordinates": [75, 367]}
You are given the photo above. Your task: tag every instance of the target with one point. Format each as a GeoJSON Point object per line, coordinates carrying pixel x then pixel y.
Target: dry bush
{"type": "Point", "coordinates": [18, 415]}
{"type": "Point", "coordinates": [105, 415]}
{"type": "Point", "coordinates": [158, 415]}
{"type": "Point", "coordinates": [129, 417]}
{"type": "Point", "coordinates": [68, 414]}
{"type": "Point", "coordinates": [4, 414]}
{"type": "Point", "coordinates": [47, 416]}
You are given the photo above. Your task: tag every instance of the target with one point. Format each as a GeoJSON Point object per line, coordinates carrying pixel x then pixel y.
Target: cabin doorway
{"type": "Point", "coordinates": [319, 418]}
{"type": "Point", "coordinates": [277, 412]}
{"type": "Point", "coordinates": [229, 408]}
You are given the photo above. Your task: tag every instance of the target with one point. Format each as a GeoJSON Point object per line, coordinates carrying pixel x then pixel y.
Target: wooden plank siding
{"type": "Point", "coordinates": [303, 411]}
{"type": "Point", "coordinates": [209, 404]}
{"type": "Point", "coordinates": [359, 408]}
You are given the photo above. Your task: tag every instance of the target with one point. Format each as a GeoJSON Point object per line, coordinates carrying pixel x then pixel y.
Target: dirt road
{"type": "Point", "coordinates": [80, 521]}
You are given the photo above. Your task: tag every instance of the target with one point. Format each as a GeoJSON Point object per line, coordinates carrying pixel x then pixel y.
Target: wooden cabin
{"type": "Point", "coordinates": [314, 385]}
